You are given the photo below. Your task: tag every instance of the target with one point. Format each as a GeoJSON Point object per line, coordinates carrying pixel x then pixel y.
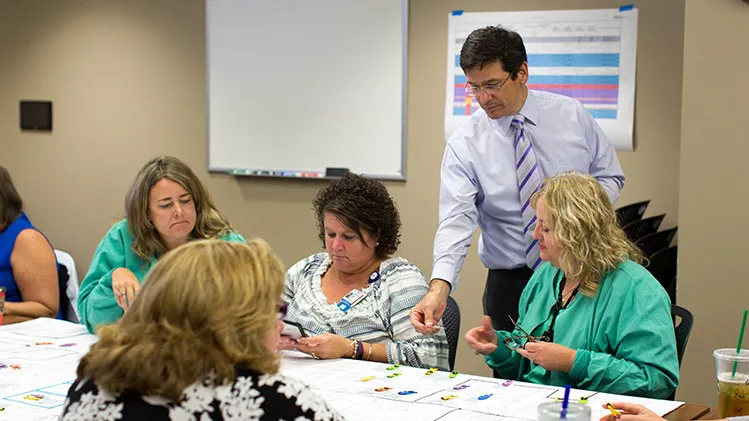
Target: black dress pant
{"type": "Point", "coordinates": [502, 295]}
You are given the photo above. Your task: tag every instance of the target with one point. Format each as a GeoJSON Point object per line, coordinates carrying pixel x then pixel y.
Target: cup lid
{"type": "Point", "coordinates": [731, 355]}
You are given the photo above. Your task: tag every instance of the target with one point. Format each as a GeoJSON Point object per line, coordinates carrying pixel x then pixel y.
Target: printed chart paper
{"type": "Point", "coordinates": [589, 55]}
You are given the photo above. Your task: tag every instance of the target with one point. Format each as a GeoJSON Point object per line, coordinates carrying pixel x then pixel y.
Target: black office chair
{"type": "Point", "coordinates": [683, 321]}
{"type": "Point", "coordinates": [638, 229]}
{"type": "Point", "coordinates": [451, 324]}
{"type": "Point", "coordinates": [631, 213]}
{"type": "Point", "coordinates": [660, 240]}
{"type": "Point", "coordinates": [663, 267]}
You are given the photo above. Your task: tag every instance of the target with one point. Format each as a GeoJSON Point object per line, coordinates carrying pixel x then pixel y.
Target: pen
{"type": "Point", "coordinates": [614, 412]}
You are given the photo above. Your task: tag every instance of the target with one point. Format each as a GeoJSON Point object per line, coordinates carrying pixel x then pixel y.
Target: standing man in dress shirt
{"type": "Point", "coordinates": [492, 165]}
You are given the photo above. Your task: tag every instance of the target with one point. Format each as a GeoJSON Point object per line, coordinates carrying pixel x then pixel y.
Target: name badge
{"type": "Point", "coordinates": [351, 299]}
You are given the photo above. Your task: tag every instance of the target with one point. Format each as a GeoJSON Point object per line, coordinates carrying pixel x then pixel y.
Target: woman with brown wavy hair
{"type": "Point", "coordinates": [198, 343]}
{"type": "Point", "coordinates": [166, 206]}
{"type": "Point", "coordinates": [591, 316]}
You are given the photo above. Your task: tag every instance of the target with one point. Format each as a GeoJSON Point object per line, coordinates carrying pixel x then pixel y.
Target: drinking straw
{"type": "Point", "coordinates": [738, 346]}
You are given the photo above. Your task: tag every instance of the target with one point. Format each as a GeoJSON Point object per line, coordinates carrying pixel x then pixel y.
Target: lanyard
{"type": "Point", "coordinates": [548, 336]}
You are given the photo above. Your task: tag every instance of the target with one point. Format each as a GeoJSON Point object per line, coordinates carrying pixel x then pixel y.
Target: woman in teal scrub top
{"type": "Point", "coordinates": [166, 206]}
{"type": "Point", "coordinates": [591, 316]}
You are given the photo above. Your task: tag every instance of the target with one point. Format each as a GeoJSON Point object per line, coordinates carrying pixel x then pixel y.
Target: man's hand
{"type": "Point", "coordinates": [425, 315]}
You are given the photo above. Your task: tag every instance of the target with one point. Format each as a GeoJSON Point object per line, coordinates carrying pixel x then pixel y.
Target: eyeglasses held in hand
{"type": "Point", "coordinates": [518, 341]}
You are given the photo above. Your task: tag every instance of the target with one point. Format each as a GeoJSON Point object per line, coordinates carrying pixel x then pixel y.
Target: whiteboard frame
{"type": "Point", "coordinates": [263, 173]}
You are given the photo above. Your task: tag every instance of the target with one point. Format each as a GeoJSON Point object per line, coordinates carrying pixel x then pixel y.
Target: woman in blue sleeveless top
{"type": "Point", "coordinates": [28, 268]}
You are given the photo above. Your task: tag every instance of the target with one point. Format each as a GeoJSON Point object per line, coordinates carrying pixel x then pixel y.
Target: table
{"type": "Point", "coordinates": [711, 415]}
{"type": "Point", "coordinates": [47, 352]}
{"type": "Point", "coordinates": [363, 390]}
{"type": "Point", "coordinates": [689, 411]}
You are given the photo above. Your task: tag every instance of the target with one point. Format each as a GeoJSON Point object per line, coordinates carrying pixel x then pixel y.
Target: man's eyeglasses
{"type": "Point", "coordinates": [489, 88]}
{"type": "Point", "coordinates": [514, 342]}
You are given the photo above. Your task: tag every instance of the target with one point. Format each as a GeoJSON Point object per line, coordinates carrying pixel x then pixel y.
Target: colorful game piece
{"type": "Point", "coordinates": [15, 366]}
{"type": "Point", "coordinates": [448, 397]}
{"type": "Point", "coordinates": [393, 375]}
{"type": "Point", "coordinates": [431, 371]}
{"type": "Point", "coordinates": [31, 398]}
{"type": "Point", "coordinates": [461, 387]}
{"type": "Point", "coordinates": [406, 392]}
{"type": "Point", "coordinates": [507, 383]}
{"type": "Point", "coordinates": [368, 378]}
{"type": "Point", "coordinates": [44, 343]}
{"type": "Point", "coordinates": [383, 389]}
{"type": "Point", "coordinates": [67, 345]}
{"type": "Point", "coordinates": [454, 374]}
{"type": "Point", "coordinates": [2, 365]}
{"type": "Point", "coordinates": [485, 397]}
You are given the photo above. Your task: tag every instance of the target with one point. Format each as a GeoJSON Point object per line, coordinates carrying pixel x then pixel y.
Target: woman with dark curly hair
{"type": "Point", "coordinates": [353, 300]}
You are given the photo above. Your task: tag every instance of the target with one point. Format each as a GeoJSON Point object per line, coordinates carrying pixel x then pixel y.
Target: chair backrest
{"type": "Point", "coordinates": [638, 229]}
{"type": "Point", "coordinates": [67, 277]}
{"type": "Point", "coordinates": [451, 323]}
{"type": "Point", "coordinates": [683, 321]}
{"type": "Point", "coordinates": [660, 240]}
{"type": "Point", "coordinates": [631, 213]}
{"type": "Point", "coordinates": [662, 265]}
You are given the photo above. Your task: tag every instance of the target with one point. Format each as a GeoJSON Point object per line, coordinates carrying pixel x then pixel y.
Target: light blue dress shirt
{"type": "Point", "coordinates": [479, 184]}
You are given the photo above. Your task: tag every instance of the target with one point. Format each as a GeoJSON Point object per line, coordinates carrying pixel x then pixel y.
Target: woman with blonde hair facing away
{"type": "Point", "coordinates": [591, 316]}
{"type": "Point", "coordinates": [166, 206]}
{"type": "Point", "coordinates": [198, 344]}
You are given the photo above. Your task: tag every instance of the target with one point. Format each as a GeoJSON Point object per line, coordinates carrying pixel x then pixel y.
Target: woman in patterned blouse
{"type": "Point", "coordinates": [198, 343]}
{"type": "Point", "coordinates": [353, 300]}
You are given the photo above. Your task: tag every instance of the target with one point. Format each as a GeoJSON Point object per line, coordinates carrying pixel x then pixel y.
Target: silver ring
{"type": "Point", "coordinates": [121, 294]}
{"type": "Point", "coordinates": [314, 355]}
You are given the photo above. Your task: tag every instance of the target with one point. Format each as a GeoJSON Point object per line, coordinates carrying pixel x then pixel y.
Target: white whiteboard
{"type": "Point", "coordinates": [295, 86]}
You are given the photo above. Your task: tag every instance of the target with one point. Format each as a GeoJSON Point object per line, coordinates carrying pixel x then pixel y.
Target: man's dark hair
{"type": "Point", "coordinates": [493, 44]}
{"type": "Point", "coordinates": [10, 201]}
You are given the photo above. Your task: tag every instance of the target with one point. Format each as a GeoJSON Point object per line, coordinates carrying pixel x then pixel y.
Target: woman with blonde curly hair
{"type": "Point", "coordinates": [166, 206]}
{"type": "Point", "coordinates": [591, 316]}
{"type": "Point", "coordinates": [198, 344]}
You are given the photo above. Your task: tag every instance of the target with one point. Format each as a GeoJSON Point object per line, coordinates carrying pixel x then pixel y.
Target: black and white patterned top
{"type": "Point", "coordinates": [251, 396]}
{"type": "Point", "coordinates": [381, 317]}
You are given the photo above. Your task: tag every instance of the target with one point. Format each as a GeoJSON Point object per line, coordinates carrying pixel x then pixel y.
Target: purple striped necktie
{"type": "Point", "coordinates": [529, 181]}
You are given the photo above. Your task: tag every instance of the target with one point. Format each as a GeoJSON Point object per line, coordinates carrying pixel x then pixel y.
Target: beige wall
{"type": "Point", "coordinates": [713, 199]}
{"type": "Point", "coordinates": [128, 82]}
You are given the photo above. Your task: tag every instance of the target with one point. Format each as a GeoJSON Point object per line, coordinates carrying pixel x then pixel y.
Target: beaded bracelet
{"type": "Point", "coordinates": [355, 343]}
{"type": "Point", "coordinates": [359, 350]}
